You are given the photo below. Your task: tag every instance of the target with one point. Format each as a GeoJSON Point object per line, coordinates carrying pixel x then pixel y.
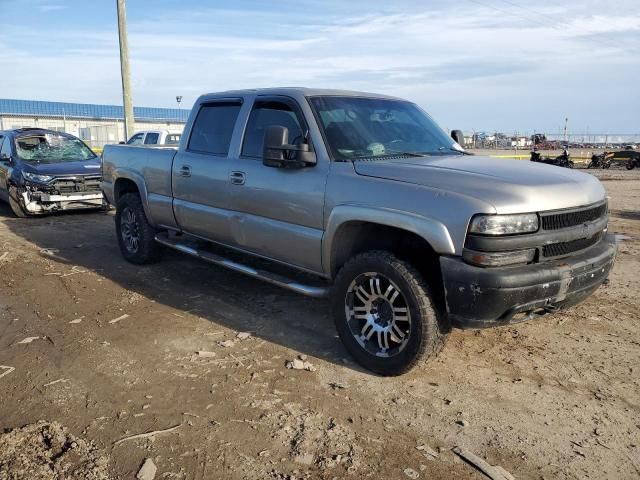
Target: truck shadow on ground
{"type": "Point", "coordinates": [87, 240]}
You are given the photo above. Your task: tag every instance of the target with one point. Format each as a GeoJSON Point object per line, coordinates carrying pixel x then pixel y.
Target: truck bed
{"type": "Point", "coordinates": [149, 168]}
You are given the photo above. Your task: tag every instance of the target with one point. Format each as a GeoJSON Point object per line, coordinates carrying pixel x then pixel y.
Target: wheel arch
{"type": "Point", "coordinates": [353, 229]}
{"type": "Point", "coordinates": [131, 182]}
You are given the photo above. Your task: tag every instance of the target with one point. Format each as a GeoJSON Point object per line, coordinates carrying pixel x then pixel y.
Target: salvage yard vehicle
{"type": "Point", "coordinates": [602, 160]}
{"type": "Point", "coordinates": [630, 157]}
{"type": "Point", "coordinates": [363, 198]}
{"type": "Point", "coordinates": [154, 137]}
{"type": "Point", "coordinates": [561, 160]}
{"type": "Point", "coordinates": [43, 171]}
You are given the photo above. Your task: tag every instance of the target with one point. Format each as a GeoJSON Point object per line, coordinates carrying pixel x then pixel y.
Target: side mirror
{"type": "Point", "coordinates": [458, 136]}
{"type": "Point", "coordinates": [278, 152]}
{"type": "Point", "coordinates": [5, 158]}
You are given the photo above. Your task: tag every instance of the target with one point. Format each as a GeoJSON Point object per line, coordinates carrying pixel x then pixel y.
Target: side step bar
{"type": "Point", "coordinates": [269, 277]}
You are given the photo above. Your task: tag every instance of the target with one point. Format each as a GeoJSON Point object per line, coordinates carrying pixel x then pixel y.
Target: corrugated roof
{"type": "Point", "coordinates": [88, 110]}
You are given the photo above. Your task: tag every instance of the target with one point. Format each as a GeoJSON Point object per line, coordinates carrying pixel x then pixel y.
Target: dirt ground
{"type": "Point", "coordinates": [107, 350]}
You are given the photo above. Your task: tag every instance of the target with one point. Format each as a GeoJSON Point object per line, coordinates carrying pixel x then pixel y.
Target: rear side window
{"type": "Point", "coordinates": [265, 114]}
{"type": "Point", "coordinates": [5, 151]}
{"type": "Point", "coordinates": [173, 139]}
{"type": "Point", "coordinates": [213, 127]}
{"type": "Point", "coordinates": [151, 138]}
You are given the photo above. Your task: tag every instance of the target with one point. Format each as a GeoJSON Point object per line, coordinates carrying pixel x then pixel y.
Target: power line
{"type": "Point", "coordinates": [556, 26]}
{"type": "Point", "coordinates": [560, 23]}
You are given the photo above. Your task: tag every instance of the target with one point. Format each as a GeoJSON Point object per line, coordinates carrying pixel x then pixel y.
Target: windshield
{"type": "Point", "coordinates": [51, 148]}
{"type": "Point", "coordinates": [356, 127]}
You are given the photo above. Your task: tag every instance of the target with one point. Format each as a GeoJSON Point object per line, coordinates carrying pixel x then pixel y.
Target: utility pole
{"type": "Point", "coordinates": [129, 122]}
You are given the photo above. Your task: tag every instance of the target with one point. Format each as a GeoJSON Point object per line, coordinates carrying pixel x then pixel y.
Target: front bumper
{"type": "Point", "coordinates": [44, 202]}
{"type": "Point", "coordinates": [482, 297]}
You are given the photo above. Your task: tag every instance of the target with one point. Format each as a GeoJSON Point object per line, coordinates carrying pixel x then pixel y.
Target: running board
{"type": "Point", "coordinates": [269, 277]}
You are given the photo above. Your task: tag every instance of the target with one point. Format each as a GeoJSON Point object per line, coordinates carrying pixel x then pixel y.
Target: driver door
{"type": "Point", "coordinates": [277, 212]}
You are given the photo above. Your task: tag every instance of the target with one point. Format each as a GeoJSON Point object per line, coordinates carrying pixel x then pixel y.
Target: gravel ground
{"type": "Point", "coordinates": [94, 351]}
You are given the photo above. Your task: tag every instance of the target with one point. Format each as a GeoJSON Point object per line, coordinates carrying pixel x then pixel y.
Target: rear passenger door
{"type": "Point", "coordinates": [278, 212]}
{"type": "Point", "coordinates": [200, 173]}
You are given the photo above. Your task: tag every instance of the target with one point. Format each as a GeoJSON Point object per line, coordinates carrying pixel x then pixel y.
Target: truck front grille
{"type": "Point", "coordinates": [557, 221]}
{"type": "Point", "coordinates": [77, 184]}
{"type": "Point", "coordinates": [565, 248]}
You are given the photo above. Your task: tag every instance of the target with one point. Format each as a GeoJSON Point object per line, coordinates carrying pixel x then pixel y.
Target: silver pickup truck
{"type": "Point", "coordinates": [363, 198]}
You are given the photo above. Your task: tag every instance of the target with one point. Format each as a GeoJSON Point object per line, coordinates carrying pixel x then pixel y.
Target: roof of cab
{"type": "Point", "coordinates": [296, 92]}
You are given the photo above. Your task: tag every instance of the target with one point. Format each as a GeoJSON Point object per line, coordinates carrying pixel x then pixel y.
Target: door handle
{"type": "Point", "coordinates": [185, 171]}
{"type": "Point", "coordinates": [237, 178]}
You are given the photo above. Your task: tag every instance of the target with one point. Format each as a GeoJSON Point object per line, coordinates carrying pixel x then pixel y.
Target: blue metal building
{"type": "Point", "coordinates": [96, 124]}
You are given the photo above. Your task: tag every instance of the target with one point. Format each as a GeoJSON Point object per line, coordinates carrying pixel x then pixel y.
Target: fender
{"type": "Point", "coordinates": [138, 179]}
{"type": "Point", "coordinates": [429, 229]}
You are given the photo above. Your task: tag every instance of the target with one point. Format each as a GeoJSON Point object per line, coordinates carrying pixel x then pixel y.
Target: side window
{"type": "Point", "coordinates": [213, 127]}
{"type": "Point", "coordinates": [136, 139]}
{"type": "Point", "coordinates": [5, 151]}
{"type": "Point", "coordinates": [173, 139]}
{"type": "Point", "coordinates": [263, 115]}
{"type": "Point", "coordinates": [151, 139]}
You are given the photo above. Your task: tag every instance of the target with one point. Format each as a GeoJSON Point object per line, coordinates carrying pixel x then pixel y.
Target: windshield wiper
{"type": "Point", "coordinates": [406, 154]}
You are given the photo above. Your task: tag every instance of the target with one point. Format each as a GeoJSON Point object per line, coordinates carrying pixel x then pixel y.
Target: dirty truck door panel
{"type": "Point", "coordinates": [278, 212]}
{"type": "Point", "coordinates": [200, 173]}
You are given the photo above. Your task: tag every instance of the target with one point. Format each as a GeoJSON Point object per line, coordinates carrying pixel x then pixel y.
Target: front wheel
{"type": "Point", "coordinates": [16, 203]}
{"type": "Point", "coordinates": [385, 314]}
{"type": "Point", "coordinates": [136, 236]}
{"type": "Point", "coordinates": [630, 165]}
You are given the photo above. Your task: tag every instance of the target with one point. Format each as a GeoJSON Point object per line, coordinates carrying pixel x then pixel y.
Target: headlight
{"type": "Point", "coordinates": [498, 259]}
{"type": "Point", "coordinates": [504, 224]}
{"type": "Point", "coordinates": [34, 177]}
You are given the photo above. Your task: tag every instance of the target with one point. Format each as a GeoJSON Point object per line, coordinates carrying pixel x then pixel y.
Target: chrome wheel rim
{"type": "Point", "coordinates": [129, 230]}
{"type": "Point", "coordinates": [378, 314]}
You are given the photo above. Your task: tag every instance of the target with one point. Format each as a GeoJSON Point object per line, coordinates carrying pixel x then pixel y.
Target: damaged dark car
{"type": "Point", "coordinates": [44, 171]}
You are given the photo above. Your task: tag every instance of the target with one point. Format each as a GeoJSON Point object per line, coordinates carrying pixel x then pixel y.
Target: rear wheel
{"type": "Point", "coordinates": [16, 203]}
{"type": "Point", "coordinates": [385, 314]}
{"type": "Point", "coordinates": [136, 236]}
{"type": "Point", "coordinates": [630, 164]}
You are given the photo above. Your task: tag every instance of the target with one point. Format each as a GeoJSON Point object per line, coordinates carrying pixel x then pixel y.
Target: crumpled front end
{"type": "Point", "coordinates": [65, 193]}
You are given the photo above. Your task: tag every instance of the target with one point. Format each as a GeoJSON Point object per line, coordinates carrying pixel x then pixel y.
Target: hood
{"type": "Point", "coordinates": [511, 186]}
{"type": "Point", "coordinates": [84, 167]}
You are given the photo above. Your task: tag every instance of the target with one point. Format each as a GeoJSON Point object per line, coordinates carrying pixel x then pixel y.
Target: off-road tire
{"type": "Point", "coordinates": [148, 250]}
{"type": "Point", "coordinates": [15, 203]}
{"type": "Point", "coordinates": [630, 164]}
{"type": "Point", "coordinates": [428, 328]}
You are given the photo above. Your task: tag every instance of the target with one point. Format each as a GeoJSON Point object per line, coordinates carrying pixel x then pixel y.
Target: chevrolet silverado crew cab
{"type": "Point", "coordinates": [363, 198]}
{"type": "Point", "coordinates": [43, 171]}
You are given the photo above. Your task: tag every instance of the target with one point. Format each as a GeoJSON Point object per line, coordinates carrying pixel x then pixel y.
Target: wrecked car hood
{"type": "Point", "coordinates": [84, 167]}
{"type": "Point", "coordinates": [511, 186]}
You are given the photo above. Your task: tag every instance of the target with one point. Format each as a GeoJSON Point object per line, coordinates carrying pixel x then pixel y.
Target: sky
{"type": "Point", "coordinates": [483, 65]}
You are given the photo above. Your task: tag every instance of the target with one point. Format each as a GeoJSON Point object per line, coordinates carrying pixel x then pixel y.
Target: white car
{"type": "Point", "coordinates": [155, 137]}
